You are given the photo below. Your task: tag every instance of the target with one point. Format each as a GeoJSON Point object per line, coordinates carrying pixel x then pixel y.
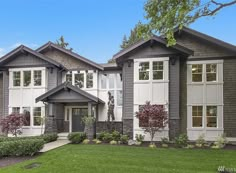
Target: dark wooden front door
{"type": "Point", "coordinates": [77, 114]}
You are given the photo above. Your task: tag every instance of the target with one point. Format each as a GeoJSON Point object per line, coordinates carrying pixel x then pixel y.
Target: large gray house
{"type": "Point", "coordinates": [195, 81]}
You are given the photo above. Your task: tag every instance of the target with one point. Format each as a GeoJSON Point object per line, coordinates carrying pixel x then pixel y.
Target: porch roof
{"type": "Point", "coordinates": [68, 93]}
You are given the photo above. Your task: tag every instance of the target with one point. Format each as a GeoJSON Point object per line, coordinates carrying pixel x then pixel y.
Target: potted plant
{"type": "Point", "coordinates": [89, 126]}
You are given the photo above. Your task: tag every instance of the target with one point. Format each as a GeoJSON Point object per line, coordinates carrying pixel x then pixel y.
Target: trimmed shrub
{"type": "Point", "coordinates": [139, 137]}
{"type": "Point", "coordinates": [27, 147]}
{"type": "Point", "coordinates": [77, 137]}
{"type": "Point", "coordinates": [86, 141]}
{"type": "Point", "coordinates": [107, 137]}
{"type": "Point", "coordinates": [49, 137]}
{"type": "Point", "coordinates": [113, 142]}
{"type": "Point", "coordinates": [46, 137]}
{"type": "Point", "coordinates": [101, 135]}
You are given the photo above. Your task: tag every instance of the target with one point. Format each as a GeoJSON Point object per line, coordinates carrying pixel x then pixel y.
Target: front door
{"type": "Point", "coordinates": [77, 114]}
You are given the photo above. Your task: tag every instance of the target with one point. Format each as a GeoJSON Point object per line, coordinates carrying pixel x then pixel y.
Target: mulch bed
{"type": "Point", "coordinates": [7, 161]}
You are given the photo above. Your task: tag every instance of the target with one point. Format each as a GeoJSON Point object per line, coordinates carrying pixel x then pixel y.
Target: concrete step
{"type": "Point", "coordinates": [62, 136]}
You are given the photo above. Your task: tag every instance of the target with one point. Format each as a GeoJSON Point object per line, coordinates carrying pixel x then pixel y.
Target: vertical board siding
{"type": "Point", "coordinates": [5, 92]}
{"type": "Point", "coordinates": [1, 95]}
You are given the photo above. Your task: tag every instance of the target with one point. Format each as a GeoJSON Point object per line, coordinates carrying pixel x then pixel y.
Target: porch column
{"type": "Point", "coordinates": [50, 121]}
{"type": "Point", "coordinates": [89, 108]}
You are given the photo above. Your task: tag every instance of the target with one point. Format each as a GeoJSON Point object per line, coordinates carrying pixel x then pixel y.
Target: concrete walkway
{"type": "Point", "coordinates": [55, 144]}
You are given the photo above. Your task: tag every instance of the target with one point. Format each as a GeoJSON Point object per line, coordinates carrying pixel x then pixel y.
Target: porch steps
{"type": "Point", "coordinates": [62, 136]}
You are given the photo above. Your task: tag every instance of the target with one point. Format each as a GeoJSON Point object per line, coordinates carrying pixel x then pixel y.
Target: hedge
{"type": "Point", "coordinates": [77, 137]}
{"type": "Point", "coordinates": [26, 147]}
{"type": "Point", "coordinates": [46, 137]}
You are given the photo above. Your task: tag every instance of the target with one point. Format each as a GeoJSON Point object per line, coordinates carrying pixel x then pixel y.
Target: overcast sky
{"type": "Point", "coordinates": [94, 28]}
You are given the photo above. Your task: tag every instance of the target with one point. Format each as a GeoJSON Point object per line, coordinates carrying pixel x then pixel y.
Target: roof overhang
{"type": "Point", "coordinates": [68, 87]}
{"type": "Point", "coordinates": [51, 45]}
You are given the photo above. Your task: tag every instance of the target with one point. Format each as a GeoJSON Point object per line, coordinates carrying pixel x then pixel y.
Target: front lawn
{"type": "Point", "coordinates": [125, 159]}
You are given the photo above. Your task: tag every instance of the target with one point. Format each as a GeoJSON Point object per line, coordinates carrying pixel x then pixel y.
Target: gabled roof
{"type": "Point", "coordinates": [178, 47]}
{"type": "Point", "coordinates": [207, 38]}
{"type": "Point", "coordinates": [65, 86]}
{"type": "Point", "coordinates": [23, 49]}
{"type": "Point", "coordinates": [75, 55]}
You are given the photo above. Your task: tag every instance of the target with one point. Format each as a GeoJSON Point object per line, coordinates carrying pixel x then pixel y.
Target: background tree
{"type": "Point", "coordinates": [152, 118]}
{"type": "Point", "coordinates": [164, 16]}
{"type": "Point", "coordinates": [13, 124]}
{"type": "Point", "coordinates": [61, 42]}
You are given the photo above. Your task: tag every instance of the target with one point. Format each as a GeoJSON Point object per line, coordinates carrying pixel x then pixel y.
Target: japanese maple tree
{"type": "Point", "coordinates": [13, 124]}
{"type": "Point", "coordinates": [152, 118]}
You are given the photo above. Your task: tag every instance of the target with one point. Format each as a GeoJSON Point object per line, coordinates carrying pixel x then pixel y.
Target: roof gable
{"type": "Point", "coordinates": [205, 37]}
{"type": "Point", "coordinates": [153, 40]}
{"type": "Point", "coordinates": [49, 46]}
{"type": "Point", "coordinates": [25, 54]}
{"type": "Point", "coordinates": [69, 93]}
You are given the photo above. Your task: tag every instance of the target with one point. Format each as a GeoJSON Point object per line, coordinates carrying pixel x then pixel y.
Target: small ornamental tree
{"type": "Point", "coordinates": [152, 118]}
{"type": "Point", "coordinates": [13, 124]}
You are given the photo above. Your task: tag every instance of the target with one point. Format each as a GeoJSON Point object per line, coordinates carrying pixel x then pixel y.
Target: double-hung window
{"type": "Point", "coordinates": [157, 70]}
{"type": "Point", "coordinates": [211, 116]}
{"type": "Point", "coordinates": [211, 70]}
{"type": "Point", "coordinates": [16, 78]}
{"type": "Point", "coordinates": [197, 70]}
{"type": "Point", "coordinates": [37, 116]}
{"type": "Point", "coordinates": [26, 113]}
{"type": "Point", "coordinates": [197, 114]}
{"type": "Point", "coordinates": [89, 80]}
{"type": "Point", "coordinates": [37, 77]}
{"type": "Point", "coordinates": [69, 78]}
{"type": "Point", "coordinates": [79, 80]}
{"type": "Point", "coordinates": [144, 70]}
{"type": "Point", "coordinates": [26, 78]}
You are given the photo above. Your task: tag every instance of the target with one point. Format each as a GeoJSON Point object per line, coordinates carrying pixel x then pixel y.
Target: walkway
{"type": "Point", "coordinates": [55, 144]}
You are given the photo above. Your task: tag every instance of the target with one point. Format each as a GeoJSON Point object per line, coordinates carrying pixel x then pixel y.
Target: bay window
{"type": "Point", "coordinates": [16, 78]}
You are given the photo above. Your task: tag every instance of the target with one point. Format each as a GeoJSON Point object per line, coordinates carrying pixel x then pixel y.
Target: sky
{"type": "Point", "coordinates": [93, 28]}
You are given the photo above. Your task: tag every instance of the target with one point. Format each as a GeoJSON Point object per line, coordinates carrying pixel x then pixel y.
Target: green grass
{"type": "Point", "coordinates": [125, 159]}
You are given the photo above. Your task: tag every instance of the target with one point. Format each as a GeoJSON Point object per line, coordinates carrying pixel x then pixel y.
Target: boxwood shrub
{"type": "Point", "coordinates": [27, 147]}
{"type": "Point", "coordinates": [46, 137]}
{"type": "Point", "coordinates": [77, 137]}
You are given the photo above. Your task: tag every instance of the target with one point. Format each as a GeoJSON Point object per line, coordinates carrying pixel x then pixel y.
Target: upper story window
{"type": "Point", "coordinates": [211, 70]}
{"type": "Point", "coordinates": [37, 77]}
{"type": "Point", "coordinates": [197, 72]}
{"type": "Point", "coordinates": [69, 78]}
{"type": "Point", "coordinates": [111, 79]}
{"type": "Point", "coordinates": [16, 78]}
{"type": "Point", "coordinates": [79, 80]}
{"type": "Point", "coordinates": [157, 68]}
{"type": "Point", "coordinates": [144, 71]}
{"type": "Point", "coordinates": [89, 80]}
{"type": "Point", "coordinates": [103, 81]}
{"type": "Point", "coordinates": [26, 78]}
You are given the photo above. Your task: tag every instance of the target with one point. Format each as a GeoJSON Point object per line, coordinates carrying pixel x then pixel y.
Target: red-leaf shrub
{"type": "Point", "coordinates": [13, 123]}
{"type": "Point", "coordinates": [152, 118]}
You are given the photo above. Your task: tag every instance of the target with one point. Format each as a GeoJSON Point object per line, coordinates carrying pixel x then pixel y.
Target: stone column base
{"type": "Point", "coordinates": [50, 125]}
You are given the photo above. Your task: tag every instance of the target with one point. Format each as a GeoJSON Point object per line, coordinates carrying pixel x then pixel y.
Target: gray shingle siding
{"type": "Point", "coordinates": [5, 92]}
{"type": "Point", "coordinates": [229, 75]}
{"type": "Point", "coordinates": [128, 91]}
{"type": "Point", "coordinates": [174, 89]}
{"type": "Point", "coordinates": [1, 95]}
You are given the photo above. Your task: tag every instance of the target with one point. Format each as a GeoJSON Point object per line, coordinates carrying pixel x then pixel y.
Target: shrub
{"type": "Point", "coordinates": [200, 141]}
{"type": "Point", "coordinates": [139, 138]}
{"type": "Point", "coordinates": [181, 140]}
{"type": "Point", "coordinates": [86, 141]}
{"type": "Point", "coordinates": [97, 141]}
{"type": "Point", "coordinates": [189, 146]}
{"type": "Point", "coordinates": [220, 142]}
{"type": "Point", "coordinates": [49, 137]}
{"type": "Point", "coordinates": [21, 147]}
{"type": "Point", "coordinates": [113, 142]}
{"type": "Point", "coordinates": [76, 137]}
{"type": "Point", "coordinates": [107, 137]}
{"type": "Point", "coordinates": [101, 135]}
{"type": "Point", "coordinates": [124, 139]}
{"type": "Point", "coordinates": [115, 135]}
{"type": "Point", "coordinates": [165, 145]}
{"type": "Point", "coordinates": [165, 141]}
{"type": "Point", "coordinates": [152, 145]}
